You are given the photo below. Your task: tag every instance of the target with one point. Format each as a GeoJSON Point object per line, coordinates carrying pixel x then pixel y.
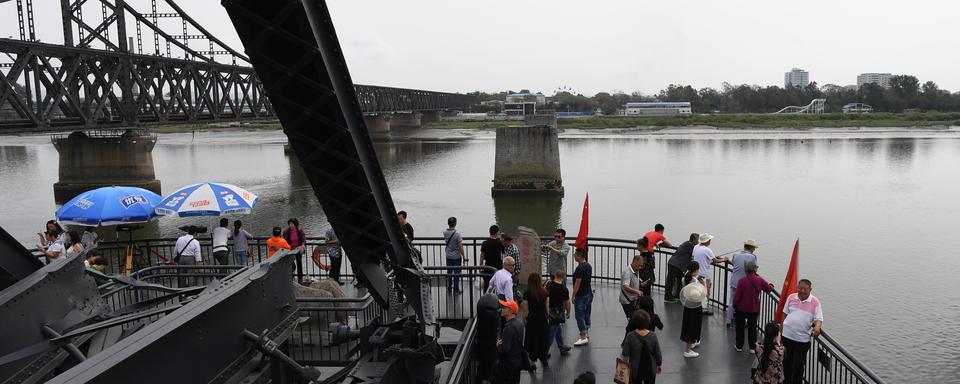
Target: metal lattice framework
{"type": "Point", "coordinates": [50, 87]}
{"type": "Point", "coordinates": [816, 107]}
{"type": "Point", "coordinates": [103, 77]}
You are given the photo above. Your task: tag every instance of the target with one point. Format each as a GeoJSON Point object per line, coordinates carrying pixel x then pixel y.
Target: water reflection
{"type": "Point", "coordinates": [538, 211]}
{"type": "Point", "coordinates": [900, 152]}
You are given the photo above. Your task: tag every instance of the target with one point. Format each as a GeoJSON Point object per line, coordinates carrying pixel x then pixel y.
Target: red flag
{"type": "Point", "coordinates": [584, 219]}
{"type": "Point", "coordinates": [789, 283]}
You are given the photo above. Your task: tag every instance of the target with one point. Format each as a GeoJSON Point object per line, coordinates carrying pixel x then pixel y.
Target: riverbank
{"type": "Point", "coordinates": [833, 120]}
{"type": "Point", "coordinates": [231, 126]}
{"type": "Point", "coordinates": [740, 121]}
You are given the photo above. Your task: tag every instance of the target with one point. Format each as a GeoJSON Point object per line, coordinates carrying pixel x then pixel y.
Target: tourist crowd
{"type": "Point", "coordinates": [535, 318]}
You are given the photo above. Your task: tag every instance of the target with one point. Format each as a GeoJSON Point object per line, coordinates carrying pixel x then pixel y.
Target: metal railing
{"type": "Point", "coordinates": [828, 361]}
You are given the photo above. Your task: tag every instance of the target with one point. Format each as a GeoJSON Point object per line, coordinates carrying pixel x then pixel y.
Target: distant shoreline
{"type": "Point", "coordinates": [925, 121]}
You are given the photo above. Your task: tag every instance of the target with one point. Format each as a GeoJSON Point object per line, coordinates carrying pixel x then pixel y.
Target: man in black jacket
{"type": "Point", "coordinates": [676, 266]}
{"type": "Point", "coordinates": [510, 345]}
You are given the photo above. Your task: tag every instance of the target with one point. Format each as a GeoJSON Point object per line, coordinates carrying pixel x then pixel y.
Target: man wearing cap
{"type": "Point", "coordinates": [704, 256]}
{"type": "Point", "coordinates": [510, 345]}
{"type": "Point", "coordinates": [737, 262]}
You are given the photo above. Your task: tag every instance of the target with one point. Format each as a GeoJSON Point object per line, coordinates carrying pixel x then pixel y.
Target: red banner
{"type": "Point", "coordinates": [789, 282]}
{"type": "Point", "coordinates": [584, 220]}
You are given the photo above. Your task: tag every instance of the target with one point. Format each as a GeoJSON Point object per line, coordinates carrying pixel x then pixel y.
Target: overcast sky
{"type": "Point", "coordinates": [613, 45]}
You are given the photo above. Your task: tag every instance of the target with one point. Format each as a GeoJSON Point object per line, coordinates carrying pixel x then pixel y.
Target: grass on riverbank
{"type": "Point", "coordinates": [739, 121]}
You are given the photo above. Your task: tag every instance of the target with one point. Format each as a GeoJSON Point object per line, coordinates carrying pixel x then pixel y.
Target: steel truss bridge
{"type": "Point", "coordinates": [108, 74]}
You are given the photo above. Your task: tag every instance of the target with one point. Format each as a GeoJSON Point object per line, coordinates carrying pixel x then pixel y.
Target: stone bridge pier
{"type": "Point", "coordinates": [104, 158]}
{"type": "Point", "coordinates": [430, 116]}
{"type": "Point", "coordinates": [527, 160]}
{"type": "Point", "coordinates": [405, 120]}
{"type": "Point", "coordinates": [377, 123]}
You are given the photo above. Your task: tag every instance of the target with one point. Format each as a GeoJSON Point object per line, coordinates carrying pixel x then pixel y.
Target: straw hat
{"type": "Point", "coordinates": [693, 295]}
{"type": "Point", "coordinates": [751, 242]}
{"type": "Point", "coordinates": [705, 237]}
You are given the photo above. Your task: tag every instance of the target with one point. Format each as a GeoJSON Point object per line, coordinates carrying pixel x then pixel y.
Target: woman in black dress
{"type": "Point", "coordinates": [535, 319]}
{"type": "Point", "coordinates": [692, 317]}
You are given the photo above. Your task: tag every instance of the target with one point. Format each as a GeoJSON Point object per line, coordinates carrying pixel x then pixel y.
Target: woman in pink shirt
{"type": "Point", "coordinates": [296, 238]}
{"type": "Point", "coordinates": [746, 304]}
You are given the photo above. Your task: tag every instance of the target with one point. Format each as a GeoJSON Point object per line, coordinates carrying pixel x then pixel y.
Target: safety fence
{"type": "Point", "coordinates": [828, 361]}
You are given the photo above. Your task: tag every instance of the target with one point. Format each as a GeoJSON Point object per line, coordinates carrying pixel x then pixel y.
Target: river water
{"type": "Point", "coordinates": [875, 210]}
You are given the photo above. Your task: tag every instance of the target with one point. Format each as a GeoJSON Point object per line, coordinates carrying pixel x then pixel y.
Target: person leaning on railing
{"type": "Point", "coordinates": [804, 319]}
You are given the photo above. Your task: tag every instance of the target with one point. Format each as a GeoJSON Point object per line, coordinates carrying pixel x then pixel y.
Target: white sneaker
{"type": "Point", "coordinates": [691, 354]}
{"type": "Point", "coordinates": [753, 352]}
{"type": "Point", "coordinates": [738, 349]}
{"type": "Point", "coordinates": [580, 342]}
{"type": "Point", "coordinates": [697, 344]}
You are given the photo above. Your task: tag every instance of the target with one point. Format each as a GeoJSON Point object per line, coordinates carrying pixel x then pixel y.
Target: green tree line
{"type": "Point", "coordinates": [904, 93]}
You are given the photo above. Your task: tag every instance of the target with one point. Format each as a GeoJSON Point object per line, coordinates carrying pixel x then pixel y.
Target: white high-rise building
{"type": "Point", "coordinates": [881, 79]}
{"type": "Point", "coordinates": [796, 78]}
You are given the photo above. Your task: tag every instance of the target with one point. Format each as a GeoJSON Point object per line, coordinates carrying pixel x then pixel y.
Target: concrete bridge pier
{"type": "Point", "coordinates": [405, 120]}
{"type": "Point", "coordinates": [430, 117]}
{"type": "Point", "coordinates": [377, 123]}
{"type": "Point", "coordinates": [89, 161]}
{"type": "Point", "coordinates": [527, 160]}
{"type": "Point", "coordinates": [547, 119]}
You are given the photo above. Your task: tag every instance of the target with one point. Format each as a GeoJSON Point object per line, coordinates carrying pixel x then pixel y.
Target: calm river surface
{"type": "Point", "coordinates": [876, 212]}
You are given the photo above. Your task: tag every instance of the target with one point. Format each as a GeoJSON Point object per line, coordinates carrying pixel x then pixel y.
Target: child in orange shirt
{"type": "Point", "coordinates": [276, 243]}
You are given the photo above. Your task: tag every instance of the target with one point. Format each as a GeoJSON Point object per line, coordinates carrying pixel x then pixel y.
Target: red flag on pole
{"type": "Point", "coordinates": [789, 283]}
{"type": "Point", "coordinates": [584, 219]}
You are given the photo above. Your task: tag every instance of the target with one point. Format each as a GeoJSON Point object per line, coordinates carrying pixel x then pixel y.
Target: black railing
{"type": "Point", "coordinates": [828, 361]}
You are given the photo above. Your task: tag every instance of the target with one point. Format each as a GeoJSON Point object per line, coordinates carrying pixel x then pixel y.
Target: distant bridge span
{"type": "Point", "coordinates": [103, 77]}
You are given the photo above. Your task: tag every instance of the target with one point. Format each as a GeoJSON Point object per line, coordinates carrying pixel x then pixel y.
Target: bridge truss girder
{"type": "Point", "coordinates": [56, 88]}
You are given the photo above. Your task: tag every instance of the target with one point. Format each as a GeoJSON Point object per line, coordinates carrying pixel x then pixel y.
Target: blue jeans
{"type": "Point", "coordinates": [555, 332]}
{"type": "Point", "coordinates": [453, 278]}
{"type": "Point", "coordinates": [581, 311]}
{"type": "Point", "coordinates": [240, 258]}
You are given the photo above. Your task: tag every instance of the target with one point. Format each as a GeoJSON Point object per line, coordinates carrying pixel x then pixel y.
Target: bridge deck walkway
{"type": "Point", "coordinates": [718, 363]}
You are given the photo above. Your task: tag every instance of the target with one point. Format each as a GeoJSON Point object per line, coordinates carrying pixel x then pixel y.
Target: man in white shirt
{"type": "Point", "coordinates": [704, 256]}
{"type": "Point", "coordinates": [502, 281]}
{"type": "Point", "coordinates": [221, 252]}
{"type": "Point", "coordinates": [187, 251]}
{"type": "Point", "coordinates": [803, 321]}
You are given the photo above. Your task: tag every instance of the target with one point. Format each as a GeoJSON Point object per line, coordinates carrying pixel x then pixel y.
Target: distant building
{"type": "Point", "coordinates": [796, 78]}
{"type": "Point", "coordinates": [520, 108]}
{"type": "Point", "coordinates": [657, 108]}
{"type": "Point", "coordinates": [857, 108]}
{"type": "Point", "coordinates": [523, 103]}
{"type": "Point", "coordinates": [881, 79]}
{"type": "Point", "coordinates": [524, 97]}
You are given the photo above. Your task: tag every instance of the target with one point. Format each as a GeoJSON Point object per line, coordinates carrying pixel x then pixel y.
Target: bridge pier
{"type": "Point", "coordinates": [430, 117]}
{"type": "Point", "coordinates": [377, 123]}
{"type": "Point", "coordinates": [527, 160]}
{"type": "Point", "coordinates": [103, 159]}
{"type": "Point", "coordinates": [405, 120]}
{"type": "Point", "coordinates": [549, 120]}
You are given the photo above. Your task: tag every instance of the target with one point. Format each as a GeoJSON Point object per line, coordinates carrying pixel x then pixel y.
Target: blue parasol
{"type": "Point", "coordinates": [109, 206]}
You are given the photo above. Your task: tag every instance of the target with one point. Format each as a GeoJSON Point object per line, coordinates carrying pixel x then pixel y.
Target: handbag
{"type": "Point", "coordinates": [621, 373]}
{"type": "Point", "coordinates": [176, 259]}
{"type": "Point", "coordinates": [635, 303]}
{"type": "Point", "coordinates": [557, 315]}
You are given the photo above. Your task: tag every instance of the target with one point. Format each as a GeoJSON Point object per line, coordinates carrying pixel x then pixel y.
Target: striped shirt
{"type": "Point", "coordinates": [800, 317]}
